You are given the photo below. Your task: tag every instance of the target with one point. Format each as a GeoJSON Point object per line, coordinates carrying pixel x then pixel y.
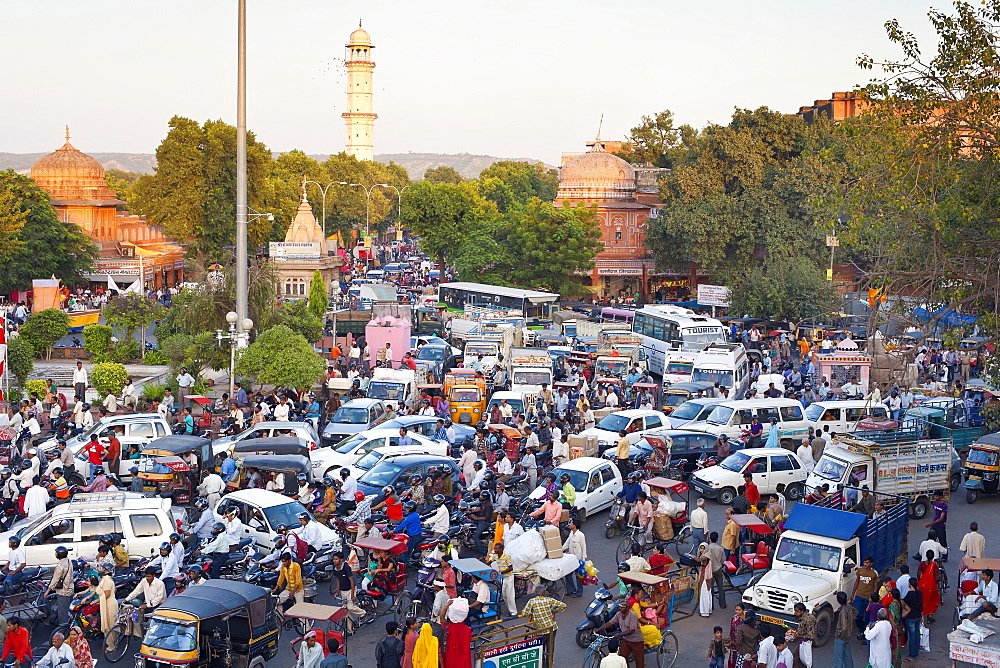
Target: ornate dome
{"type": "Point", "coordinates": [68, 173]}
{"type": "Point", "coordinates": [360, 37]}
{"type": "Point", "coordinates": [597, 175]}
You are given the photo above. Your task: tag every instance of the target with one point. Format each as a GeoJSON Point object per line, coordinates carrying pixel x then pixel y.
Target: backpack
{"type": "Point", "coordinates": [301, 548]}
{"type": "Point", "coordinates": [389, 653]}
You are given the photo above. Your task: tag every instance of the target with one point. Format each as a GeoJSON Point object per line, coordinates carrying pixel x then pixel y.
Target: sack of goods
{"type": "Point", "coordinates": [526, 549]}
{"type": "Point", "coordinates": [670, 508]}
{"type": "Point", "coordinates": [663, 527]}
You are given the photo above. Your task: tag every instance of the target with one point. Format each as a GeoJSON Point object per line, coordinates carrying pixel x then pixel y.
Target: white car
{"type": "Point", "coordinates": [304, 431]}
{"type": "Point", "coordinates": [768, 466]}
{"type": "Point", "coordinates": [261, 511]}
{"type": "Point", "coordinates": [635, 422]}
{"type": "Point", "coordinates": [596, 481]}
{"type": "Point", "coordinates": [326, 461]}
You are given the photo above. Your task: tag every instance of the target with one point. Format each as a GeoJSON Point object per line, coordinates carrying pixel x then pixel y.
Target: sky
{"type": "Point", "coordinates": [521, 78]}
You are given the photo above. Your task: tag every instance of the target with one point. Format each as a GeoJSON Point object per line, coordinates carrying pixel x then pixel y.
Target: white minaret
{"type": "Point", "coordinates": [359, 115]}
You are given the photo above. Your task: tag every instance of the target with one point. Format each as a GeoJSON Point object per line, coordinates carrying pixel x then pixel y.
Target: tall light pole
{"type": "Point", "coordinates": [325, 189]}
{"type": "Point", "coordinates": [368, 204]}
{"type": "Point", "coordinates": [399, 196]}
{"type": "Point", "coordinates": [242, 271]}
{"type": "Point", "coordinates": [239, 337]}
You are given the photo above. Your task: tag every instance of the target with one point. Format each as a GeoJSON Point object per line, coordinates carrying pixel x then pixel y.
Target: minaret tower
{"type": "Point", "coordinates": [359, 115]}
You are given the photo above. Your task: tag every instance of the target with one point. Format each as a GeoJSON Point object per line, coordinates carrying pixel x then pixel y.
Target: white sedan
{"type": "Point", "coordinates": [596, 481]}
{"type": "Point", "coordinates": [327, 461]}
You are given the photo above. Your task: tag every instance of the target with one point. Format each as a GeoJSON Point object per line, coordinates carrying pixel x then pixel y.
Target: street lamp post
{"type": "Point", "coordinates": [399, 198]}
{"type": "Point", "coordinates": [325, 189]}
{"type": "Point", "coordinates": [242, 271]}
{"type": "Point", "coordinates": [368, 205]}
{"type": "Point", "coordinates": [239, 337]}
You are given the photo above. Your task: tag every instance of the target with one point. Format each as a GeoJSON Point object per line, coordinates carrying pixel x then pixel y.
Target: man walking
{"type": "Point", "coordinates": [80, 381]}
{"type": "Point", "coordinates": [973, 543]}
{"type": "Point", "coordinates": [865, 583]}
{"type": "Point", "coordinates": [61, 585]}
{"type": "Point", "coordinates": [717, 561]}
{"type": "Point", "coordinates": [842, 633]}
{"type": "Point", "coordinates": [940, 522]}
{"type": "Point", "coordinates": [805, 634]}
{"type": "Point", "coordinates": [699, 523]}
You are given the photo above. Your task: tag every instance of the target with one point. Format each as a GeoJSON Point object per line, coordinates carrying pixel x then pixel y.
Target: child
{"type": "Point", "coordinates": [874, 605]}
{"type": "Point", "coordinates": [716, 649]}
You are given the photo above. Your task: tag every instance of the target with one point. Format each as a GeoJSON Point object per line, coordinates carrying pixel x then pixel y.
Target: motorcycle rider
{"type": "Point", "coordinates": [218, 548]}
{"type": "Point", "coordinates": [309, 532]}
{"type": "Point", "coordinates": [13, 571]}
{"type": "Point", "coordinates": [234, 526]}
{"type": "Point", "coordinates": [440, 521]}
{"type": "Point", "coordinates": [170, 567]}
{"type": "Point", "coordinates": [442, 547]}
{"type": "Point", "coordinates": [567, 491]}
{"type": "Point", "coordinates": [202, 529]}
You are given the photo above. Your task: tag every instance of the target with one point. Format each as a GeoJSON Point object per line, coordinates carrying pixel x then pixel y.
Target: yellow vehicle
{"type": "Point", "coordinates": [466, 392]}
{"type": "Point", "coordinates": [982, 468]}
{"type": "Point", "coordinates": [173, 464]}
{"type": "Point", "coordinates": [218, 623]}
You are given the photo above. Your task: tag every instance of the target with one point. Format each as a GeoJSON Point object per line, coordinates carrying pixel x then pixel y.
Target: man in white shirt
{"type": "Point", "coordinates": [505, 468]}
{"type": "Point", "coordinates": [699, 523]}
{"type": "Point", "coordinates": [15, 565]}
{"type": "Point", "coordinates": [767, 653]}
{"type": "Point", "coordinates": [80, 381]}
{"type": "Point", "coordinates": [614, 659]}
{"type": "Point", "coordinates": [110, 403]}
{"type": "Point", "coordinates": [129, 397]}
{"type": "Point", "coordinates": [440, 521]}
{"type": "Point", "coordinates": [211, 488]}
{"type": "Point", "coordinates": [784, 657]}
{"type": "Point", "coordinates": [170, 563]}
{"type": "Point", "coordinates": [36, 499]}
{"type": "Point", "coordinates": [168, 400]}
{"type": "Point", "coordinates": [987, 595]}
{"type": "Point", "coordinates": [466, 461]}
{"type": "Point", "coordinates": [931, 544]}
{"type": "Point", "coordinates": [348, 489]}
{"type": "Point", "coordinates": [234, 526]}
{"type": "Point", "coordinates": [612, 400]}
{"type": "Point", "coordinates": [282, 410]}
{"type": "Point", "coordinates": [60, 650]}
{"type": "Point", "coordinates": [149, 593]}
{"type": "Point", "coordinates": [185, 381]}
{"type": "Point", "coordinates": [309, 532]}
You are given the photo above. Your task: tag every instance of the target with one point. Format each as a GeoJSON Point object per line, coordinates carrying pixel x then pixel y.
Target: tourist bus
{"type": "Point", "coordinates": [625, 317]}
{"type": "Point", "coordinates": [458, 296]}
{"type": "Point", "coordinates": [664, 328]}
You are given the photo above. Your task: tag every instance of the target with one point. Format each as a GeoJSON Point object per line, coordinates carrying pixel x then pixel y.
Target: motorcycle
{"type": "Point", "coordinates": [599, 612]}
{"type": "Point", "coordinates": [617, 518]}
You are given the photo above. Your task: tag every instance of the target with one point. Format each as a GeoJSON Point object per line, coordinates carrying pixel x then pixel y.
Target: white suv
{"type": "Point", "coordinates": [768, 466]}
{"type": "Point", "coordinates": [635, 422]}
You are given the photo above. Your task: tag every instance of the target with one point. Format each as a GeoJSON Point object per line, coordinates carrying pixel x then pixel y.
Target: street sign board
{"type": "Point", "coordinates": [713, 295]}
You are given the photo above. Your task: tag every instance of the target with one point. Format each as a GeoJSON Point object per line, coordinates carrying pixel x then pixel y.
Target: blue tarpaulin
{"type": "Point", "coordinates": [946, 316]}
{"type": "Point", "coordinates": [824, 521]}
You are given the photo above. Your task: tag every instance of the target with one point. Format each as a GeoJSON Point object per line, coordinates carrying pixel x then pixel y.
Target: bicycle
{"type": "Point", "coordinates": [631, 538]}
{"type": "Point", "coordinates": [296, 624]}
{"type": "Point", "coordinates": [665, 652]}
{"type": "Point", "coordinates": [118, 638]}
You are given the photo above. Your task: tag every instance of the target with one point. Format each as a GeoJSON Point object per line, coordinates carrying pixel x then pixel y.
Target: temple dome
{"type": "Point", "coordinates": [70, 174]}
{"type": "Point", "coordinates": [360, 37]}
{"type": "Point", "coordinates": [597, 175]}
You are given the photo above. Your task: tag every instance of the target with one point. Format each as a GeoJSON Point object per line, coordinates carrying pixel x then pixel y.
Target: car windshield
{"type": "Point", "coordinates": [28, 528]}
{"type": "Point", "coordinates": [484, 349]}
{"type": "Point", "coordinates": [720, 415]}
{"type": "Point", "coordinates": [721, 376]}
{"type": "Point", "coordinates": [682, 368]}
{"type": "Point", "coordinates": [531, 378]}
{"type": "Point", "coordinates": [381, 474]}
{"type": "Point", "coordinates": [286, 513]}
{"type": "Point", "coordinates": [170, 635]}
{"type": "Point", "coordinates": [984, 457]}
{"type": "Point", "coordinates": [368, 461]}
{"type": "Point", "coordinates": [675, 400]}
{"type": "Point", "coordinates": [384, 390]}
{"type": "Point", "coordinates": [830, 468]}
{"type": "Point", "coordinates": [349, 444]}
{"type": "Point", "coordinates": [813, 411]}
{"type": "Point", "coordinates": [433, 353]}
{"type": "Point", "coordinates": [613, 422]}
{"type": "Point", "coordinates": [735, 462]}
{"type": "Point", "coordinates": [687, 411]}
{"type": "Point", "coordinates": [576, 478]}
{"type": "Point", "coordinates": [345, 415]}
{"type": "Point", "coordinates": [810, 555]}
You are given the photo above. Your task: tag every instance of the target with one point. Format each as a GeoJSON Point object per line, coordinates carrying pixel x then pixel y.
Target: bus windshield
{"type": "Point", "coordinates": [723, 377]}
{"type": "Point", "coordinates": [531, 378]}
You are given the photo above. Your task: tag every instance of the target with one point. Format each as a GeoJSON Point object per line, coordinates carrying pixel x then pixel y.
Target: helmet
{"type": "Point", "coordinates": [180, 581]}
{"type": "Point", "coordinates": [359, 496]}
{"type": "Point", "coordinates": [86, 407]}
{"type": "Point", "coordinates": [444, 540]}
{"type": "Point", "coordinates": [431, 470]}
{"type": "Point", "coordinates": [98, 470]}
{"type": "Point", "coordinates": [62, 552]}
{"type": "Point", "coordinates": [484, 494]}
{"type": "Point", "coordinates": [388, 489]}
{"type": "Point", "coordinates": [416, 479]}
{"type": "Point", "coordinates": [303, 516]}
{"type": "Point", "coordinates": [218, 528]}
{"type": "Point", "coordinates": [134, 470]}
{"type": "Point", "coordinates": [302, 477]}
{"type": "Point", "coordinates": [281, 528]}
{"type": "Point", "coordinates": [279, 541]}
{"type": "Point", "coordinates": [5, 471]}
{"type": "Point", "coordinates": [633, 476]}
{"type": "Point", "coordinates": [478, 464]}
{"type": "Point", "coordinates": [327, 481]}
{"type": "Point", "coordinates": [201, 504]}
{"type": "Point", "coordinates": [484, 484]}
{"type": "Point", "coordinates": [564, 477]}
{"type": "Point", "coordinates": [488, 476]}
{"type": "Point", "coordinates": [104, 538]}
{"type": "Point", "coordinates": [165, 546]}
{"type": "Point", "coordinates": [447, 422]}
{"type": "Point", "coordinates": [438, 499]}
{"type": "Point", "coordinates": [622, 566]}
{"type": "Point", "coordinates": [411, 506]}
{"type": "Point", "coordinates": [174, 536]}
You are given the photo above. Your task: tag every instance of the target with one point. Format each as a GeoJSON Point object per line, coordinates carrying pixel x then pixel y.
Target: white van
{"type": "Point", "coordinates": [732, 418]}
{"type": "Point", "coordinates": [376, 275]}
{"type": "Point", "coordinates": [725, 364]}
{"type": "Point", "coordinates": [842, 416]}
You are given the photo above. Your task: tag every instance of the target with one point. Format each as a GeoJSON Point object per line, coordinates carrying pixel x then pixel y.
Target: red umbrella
{"type": "Point", "coordinates": [778, 332]}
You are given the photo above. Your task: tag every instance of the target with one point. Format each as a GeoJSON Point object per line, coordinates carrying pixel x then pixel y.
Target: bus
{"type": "Point", "coordinates": [457, 296]}
{"type": "Point", "coordinates": [665, 328]}
{"type": "Point", "coordinates": [627, 318]}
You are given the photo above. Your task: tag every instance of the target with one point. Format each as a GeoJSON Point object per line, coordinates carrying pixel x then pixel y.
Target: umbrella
{"type": "Point", "coordinates": [778, 332]}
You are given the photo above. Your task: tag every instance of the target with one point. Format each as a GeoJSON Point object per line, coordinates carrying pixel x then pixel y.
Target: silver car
{"type": "Point", "coordinates": [302, 430]}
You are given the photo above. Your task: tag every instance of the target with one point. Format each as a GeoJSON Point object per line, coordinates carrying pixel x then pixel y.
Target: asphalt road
{"type": "Point", "coordinates": [694, 632]}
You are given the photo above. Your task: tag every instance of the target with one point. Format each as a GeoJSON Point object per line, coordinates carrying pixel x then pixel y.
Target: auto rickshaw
{"type": "Point", "coordinates": [982, 468]}
{"type": "Point", "coordinates": [277, 445]}
{"type": "Point", "coordinates": [466, 392]}
{"type": "Point", "coordinates": [287, 466]}
{"type": "Point", "coordinates": [173, 464]}
{"type": "Point", "coordinates": [678, 393]}
{"type": "Point", "coordinates": [652, 389]}
{"type": "Point", "coordinates": [221, 622]}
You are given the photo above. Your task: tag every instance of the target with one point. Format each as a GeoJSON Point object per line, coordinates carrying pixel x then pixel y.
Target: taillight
{"type": "Point", "coordinates": [312, 445]}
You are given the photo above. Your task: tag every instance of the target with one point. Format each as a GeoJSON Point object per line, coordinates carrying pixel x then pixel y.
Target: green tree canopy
{"type": "Point", "coordinates": [318, 299]}
{"type": "Point", "coordinates": [21, 358]}
{"type": "Point", "coordinates": [44, 329]}
{"type": "Point", "coordinates": [97, 339]}
{"type": "Point", "coordinates": [43, 245]}
{"type": "Point", "coordinates": [655, 140]}
{"type": "Point", "coordinates": [130, 312]}
{"type": "Point", "coordinates": [525, 180]}
{"type": "Point", "coordinates": [281, 357]}
{"type": "Point", "coordinates": [795, 288]}
{"type": "Point", "coordinates": [443, 214]}
{"type": "Point", "coordinates": [443, 174]}
{"type": "Point", "coordinates": [108, 377]}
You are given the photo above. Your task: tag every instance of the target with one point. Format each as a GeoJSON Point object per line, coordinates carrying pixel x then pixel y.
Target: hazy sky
{"type": "Point", "coordinates": [517, 78]}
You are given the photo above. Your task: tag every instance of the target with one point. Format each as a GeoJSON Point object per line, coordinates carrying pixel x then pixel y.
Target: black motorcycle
{"type": "Point", "coordinates": [600, 611]}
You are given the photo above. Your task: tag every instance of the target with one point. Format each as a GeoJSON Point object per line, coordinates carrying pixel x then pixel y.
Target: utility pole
{"type": "Point", "coordinates": [242, 271]}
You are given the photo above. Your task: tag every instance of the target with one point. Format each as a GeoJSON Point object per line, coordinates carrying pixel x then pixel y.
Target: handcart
{"type": "Point", "coordinates": [335, 625]}
{"type": "Point", "coordinates": [376, 602]}
{"type": "Point", "coordinates": [490, 612]}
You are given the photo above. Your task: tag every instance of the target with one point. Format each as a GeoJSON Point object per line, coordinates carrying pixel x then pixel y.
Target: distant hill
{"type": "Point", "coordinates": [416, 164]}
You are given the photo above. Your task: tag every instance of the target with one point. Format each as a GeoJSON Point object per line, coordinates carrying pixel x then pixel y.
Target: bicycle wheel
{"type": "Point", "coordinates": [556, 589]}
{"type": "Point", "coordinates": [595, 654]}
{"type": "Point", "coordinates": [300, 626]}
{"type": "Point", "coordinates": [116, 643]}
{"type": "Point", "coordinates": [666, 653]}
{"type": "Point", "coordinates": [368, 604]}
{"type": "Point", "coordinates": [625, 546]}
{"type": "Point", "coordinates": [682, 542]}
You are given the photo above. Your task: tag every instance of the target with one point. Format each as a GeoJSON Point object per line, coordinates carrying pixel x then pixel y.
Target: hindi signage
{"type": "Point", "coordinates": [713, 295]}
{"type": "Point", "coordinates": [527, 654]}
{"type": "Point", "coordinates": [295, 250]}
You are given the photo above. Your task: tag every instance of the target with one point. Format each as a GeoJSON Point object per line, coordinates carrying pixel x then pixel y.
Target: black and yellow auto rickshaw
{"type": "Point", "coordinates": [982, 468]}
{"type": "Point", "coordinates": [286, 468]}
{"type": "Point", "coordinates": [219, 623]}
{"type": "Point", "coordinates": [173, 464]}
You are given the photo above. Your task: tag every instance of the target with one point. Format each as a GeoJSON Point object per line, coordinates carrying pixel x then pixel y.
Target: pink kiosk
{"type": "Point", "coordinates": [390, 323]}
{"type": "Point", "coordinates": [847, 363]}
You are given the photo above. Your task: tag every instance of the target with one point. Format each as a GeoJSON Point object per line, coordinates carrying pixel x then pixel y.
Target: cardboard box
{"type": "Point", "coordinates": [590, 448]}
{"type": "Point", "coordinates": [552, 540]}
{"type": "Point", "coordinates": [575, 452]}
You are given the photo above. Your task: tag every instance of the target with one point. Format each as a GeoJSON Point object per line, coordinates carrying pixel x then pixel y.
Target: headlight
{"type": "Point", "coordinates": [759, 593]}
{"type": "Point", "coordinates": [795, 598]}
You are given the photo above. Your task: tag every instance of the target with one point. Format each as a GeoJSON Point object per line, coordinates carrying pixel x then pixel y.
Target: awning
{"type": "Point", "coordinates": [946, 316]}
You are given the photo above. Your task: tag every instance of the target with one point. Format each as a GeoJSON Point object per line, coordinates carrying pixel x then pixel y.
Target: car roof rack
{"type": "Point", "coordinates": [96, 500]}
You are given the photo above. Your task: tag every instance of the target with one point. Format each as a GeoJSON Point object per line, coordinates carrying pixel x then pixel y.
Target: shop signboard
{"type": "Point", "coordinates": [713, 295]}
{"type": "Point", "coordinates": [294, 250]}
{"type": "Point", "coordinates": [526, 654]}
{"type": "Point", "coordinates": [619, 271]}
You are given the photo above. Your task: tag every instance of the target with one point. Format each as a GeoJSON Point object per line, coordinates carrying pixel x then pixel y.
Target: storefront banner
{"type": "Point", "coordinates": [527, 654]}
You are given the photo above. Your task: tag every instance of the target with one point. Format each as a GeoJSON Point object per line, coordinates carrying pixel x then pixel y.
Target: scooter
{"type": "Point", "coordinates": [599, 612]}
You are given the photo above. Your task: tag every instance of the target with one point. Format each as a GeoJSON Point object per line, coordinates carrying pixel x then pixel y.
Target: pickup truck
{"type": "Point", "coordinates": [816, 557]}
{"type": "Point", "coordinates": [914, 469]}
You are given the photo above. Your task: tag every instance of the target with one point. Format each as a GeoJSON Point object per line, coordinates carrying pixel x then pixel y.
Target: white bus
{"type": "Point", "coordinates": [665, 328]}
{"type": "Point", "coordinates": [725, 364]}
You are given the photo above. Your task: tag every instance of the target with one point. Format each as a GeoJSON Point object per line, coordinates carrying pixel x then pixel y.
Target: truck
{"type": "Point", "coordinates": [491, 343]}
{"type": "Point", "coordinates": [910, 469]}
{"type": "Point", "coordinates": [466, 392]}
{"type": "Point", "coordinates": [591, 328]}
{"type": "Point", "coordinates": [400, 386]}
{"type": "Point", "coordinates": [528, 369]}
{"type": "Point", "coordinates": [816, 556]}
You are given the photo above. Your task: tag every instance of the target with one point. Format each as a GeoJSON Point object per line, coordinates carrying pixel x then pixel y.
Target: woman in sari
{"type": "Point", "coordinates": [895, 609]}
{"type": "Point", "coordinates": [426, 653]}
{"type": "Point", "coordinates": [734, 624]}
{"type": "Point", "coordinates": [109, 604]}
{"type": "Point", "coordinates": [458, 637]}
{"type": "Point", "coordinates": [704, 582]}
{"type": "Point", "coordinates": [927, 577]}
{"type": "Point", "coordinates": [80, 647]}
{"type": "Point", "coordinates": [410, 635]}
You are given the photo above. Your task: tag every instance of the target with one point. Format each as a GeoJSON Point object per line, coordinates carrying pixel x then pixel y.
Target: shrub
{"type": "Point", "coordinates": [44, 329]}
{"type": "Point", "coordinates": [108, 377]}
{"type": "Point", "coordinates": [36, 385]}
{"type": "Point", "coordinates": [125, 351]}
{"type": "Point", "coordinates": [100, 358]}
{"type": "Point", "coordinates": [21, 358]}
{"type": "Point", "coordinates": [97, 339]}
{"type": "Point", "coordinates": [153, 391]}
{"type": "Point", "coordinates": [156, 358]}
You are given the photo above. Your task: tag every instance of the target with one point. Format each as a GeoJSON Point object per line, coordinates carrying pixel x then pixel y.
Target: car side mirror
{"type": "Point", "coordinates": [847, 569]}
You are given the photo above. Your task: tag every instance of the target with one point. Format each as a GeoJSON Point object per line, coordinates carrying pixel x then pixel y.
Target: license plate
{"type": "Point", "coordinates": [772, 620]}
{"type": "Point", "coordinates": [975, 477]}
{"type": "Point", "coordinates": [148, 489]}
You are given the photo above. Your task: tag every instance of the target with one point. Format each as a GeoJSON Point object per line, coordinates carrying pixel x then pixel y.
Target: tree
{"type": "Point", "coordinates": [655, 140]}
{"type": "Point", "coordinates": [795, 289]}
{"type": "Point", "coordinates": [443, 214]}
{"type": "Point", "coordinates": [525, 180]}
{"type": "Point", "coordinates": [44, 329]}
{"type": "Point", "coordinates": [318, 299]}
{"type": "Point", "coordinates": [97, 339]}
{"type": "Point", "coordinates": [45, 245]}
{"type": "Point", "coordinates": [296, 316]}
{"type": "Point", "coordinates": [443, 174]}
{"type": "Point", "coordinates": [281, 357]}
{"type": "Point", "coordinates": [121, 182]}
{"type": "Point", "coordinates": [130, 312]}
{"type": "Point", "coordinates": [21, 361]}
{"type": "Point", "coordinates": [554, 247]}
{"type": "Point", "coordinates": [108, 377]}
{"type": "Point", "coordinates": [12, 217]}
